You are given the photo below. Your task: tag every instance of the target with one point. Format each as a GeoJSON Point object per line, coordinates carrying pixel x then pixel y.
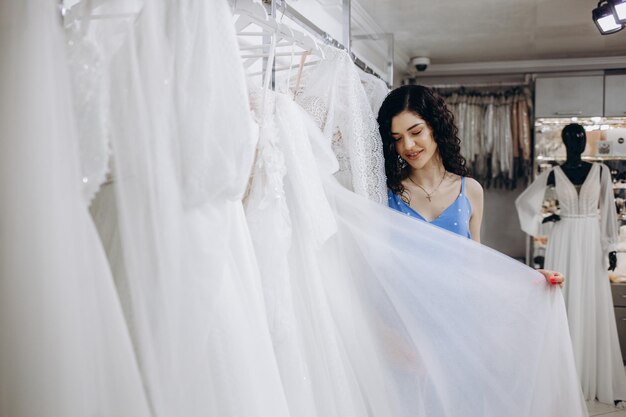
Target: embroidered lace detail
{"type": "Point", "coordinates": [375, 89]}
{"type": "Point", "coordinates": [333, 95]}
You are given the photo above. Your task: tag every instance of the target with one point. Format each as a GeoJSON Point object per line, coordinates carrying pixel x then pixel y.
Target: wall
{"type": "Point", "coordinates": [501, 229]}
{"type": "Point", "coordinates": [325, 17]}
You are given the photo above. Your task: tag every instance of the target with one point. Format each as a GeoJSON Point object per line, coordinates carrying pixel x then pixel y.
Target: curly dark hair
{"type": "Point", "coordinates": [430, 107]}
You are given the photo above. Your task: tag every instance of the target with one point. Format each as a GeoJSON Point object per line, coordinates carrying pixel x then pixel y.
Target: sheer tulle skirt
{"type": "Point", "coordinates": [397, 317]}
{"type": "Point", "coordinates": [575, 249]}
{"type": "Point", "coordinates": [65, 349]}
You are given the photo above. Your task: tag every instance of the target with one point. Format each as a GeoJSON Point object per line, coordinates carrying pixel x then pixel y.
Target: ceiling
{"type": "Point", "coordinates": [457, 31]}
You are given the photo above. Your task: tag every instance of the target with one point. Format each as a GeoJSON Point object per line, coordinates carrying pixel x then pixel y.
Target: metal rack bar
{"type": "Point", "coordinates": [267, 40]}
{"type": "Point", "coordinates": [346, 11]}
{"type": "Point", "coordinates": [297, 17]}
{"type": "Point", "coordinates": [388, 37]}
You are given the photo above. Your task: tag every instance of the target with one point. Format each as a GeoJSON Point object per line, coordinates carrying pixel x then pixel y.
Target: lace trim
{"type": "Point", "coordinates": [334, 96]}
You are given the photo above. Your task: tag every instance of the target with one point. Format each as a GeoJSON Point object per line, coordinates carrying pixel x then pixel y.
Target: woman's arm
{"type": "Point", "coordinates": [475, 195]}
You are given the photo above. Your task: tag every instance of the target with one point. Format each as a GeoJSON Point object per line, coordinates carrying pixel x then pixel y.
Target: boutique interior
{"type": "Point", "coordinates": [552, 60]}
{"type": "Point", "coordinates": [228, 276]}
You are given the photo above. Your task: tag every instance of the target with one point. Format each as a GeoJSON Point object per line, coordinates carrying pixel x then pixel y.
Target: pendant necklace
{"type": "Point", "coordinates": [429, 194]}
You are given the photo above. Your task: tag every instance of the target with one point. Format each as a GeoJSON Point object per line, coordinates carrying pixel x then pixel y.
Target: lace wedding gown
{"type": "Point", "coordinates": [333, 95]}
{"type": "Point", "coordinates": [578, 246]}
{"type": "Point", "coordinates": [65, 349]}
{"type": "Point", "coordinates": [375, 89]}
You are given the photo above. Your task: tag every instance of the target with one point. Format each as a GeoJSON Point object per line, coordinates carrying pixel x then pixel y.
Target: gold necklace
{"type": "Point", "coordinates": [429, 194]}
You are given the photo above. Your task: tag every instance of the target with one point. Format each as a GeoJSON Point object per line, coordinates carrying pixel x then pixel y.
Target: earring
{"type": "Point", "coordinates": [401, 163]}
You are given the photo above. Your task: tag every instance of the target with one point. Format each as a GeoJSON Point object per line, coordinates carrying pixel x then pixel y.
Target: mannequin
{"type": "Point", "coordinates": [576, 170]}
{"type": "Point", "coordinates": [585, 231]}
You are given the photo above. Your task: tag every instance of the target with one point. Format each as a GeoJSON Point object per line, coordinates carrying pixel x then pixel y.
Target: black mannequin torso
{"type": "Point", "coordinates": [575, 141]}
{"type": "Point", "coordinates": [576, 172]}
{"type": "Point", "coordinates": [575, 169]}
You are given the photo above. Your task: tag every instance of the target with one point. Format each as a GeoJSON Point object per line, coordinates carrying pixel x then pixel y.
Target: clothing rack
{"type": "Point", "coordinates": [291, 13]}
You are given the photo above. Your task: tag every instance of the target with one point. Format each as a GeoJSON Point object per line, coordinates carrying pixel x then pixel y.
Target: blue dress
{"type": "Point", "coordinates": [455, 218]}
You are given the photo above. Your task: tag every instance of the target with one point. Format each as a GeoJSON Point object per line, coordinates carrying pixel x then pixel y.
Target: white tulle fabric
{"type": "Point", "coordinates": [333, 95]}
{"type": "Point", "coordinates": [578, 246]}
{"type": "Point", "coordinates": [210, 101]}
{"type": "Point", "coordinates": [191, 280]}
{"type": "Point", "coordinates": [65, 349]}
{"type": "Point", "coordinates": [290, 218]}
{"type": "Point", "coordinates": [382, 315]}
{"type": "Point", "coordinates": [371, 313]}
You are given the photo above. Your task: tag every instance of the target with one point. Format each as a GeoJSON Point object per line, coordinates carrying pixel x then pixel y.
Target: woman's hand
{"type": "Point", "coordinates": [553, 278]}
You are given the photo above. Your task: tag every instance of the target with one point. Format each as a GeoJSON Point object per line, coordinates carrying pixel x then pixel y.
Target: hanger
{"type": "Point", "coordinates": [251, 12]}
{"type": "Point", "coordinates": [81, 11]}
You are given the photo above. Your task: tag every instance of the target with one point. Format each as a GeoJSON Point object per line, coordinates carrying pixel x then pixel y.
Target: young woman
{"type": "Point", "coordinates": [427, 176]}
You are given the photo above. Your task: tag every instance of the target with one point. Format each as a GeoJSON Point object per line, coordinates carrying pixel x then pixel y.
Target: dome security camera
{"type": "Point", "coordinates": [420, 63]}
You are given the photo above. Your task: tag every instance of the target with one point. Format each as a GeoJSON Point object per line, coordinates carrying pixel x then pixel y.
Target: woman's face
{"type": "Point", "coordinates": [414, 139]}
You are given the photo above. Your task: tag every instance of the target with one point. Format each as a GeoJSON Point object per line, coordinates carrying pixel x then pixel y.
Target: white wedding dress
{"type": "Point", "coordinates": [375, 89]}
{"type": "Point", "coordinates": [290, 219]}
{"type": "Point", "coordinates": [578, 246]}
{"type": "Point", "coordinates": [375, 314]}
{"type": "Point", "coordinates": [183, 145]}
{"type": "Point", "coordinates": [380, 315]}
{"type": "Point", "coordinates": [65, 349]}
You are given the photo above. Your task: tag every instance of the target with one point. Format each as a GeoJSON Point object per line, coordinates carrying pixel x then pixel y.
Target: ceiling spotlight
{"type": "Point", "coordinates": [604, 18]}
{"type": "Point", "coordinates": [618, 7]}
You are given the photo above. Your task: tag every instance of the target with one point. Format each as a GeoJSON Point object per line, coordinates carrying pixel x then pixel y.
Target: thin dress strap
{"type": "Point", "coordinates": [462, 185]}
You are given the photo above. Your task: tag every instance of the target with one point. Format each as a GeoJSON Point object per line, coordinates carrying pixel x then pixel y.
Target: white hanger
{"type": "Point", "coordinates": [251, 12]}
{"type": "Point", "coordinates": [81, 11]}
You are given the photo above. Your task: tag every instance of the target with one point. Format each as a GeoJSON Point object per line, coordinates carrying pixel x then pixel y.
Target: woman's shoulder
{"type": "Point", "coordinates": [473, 189]}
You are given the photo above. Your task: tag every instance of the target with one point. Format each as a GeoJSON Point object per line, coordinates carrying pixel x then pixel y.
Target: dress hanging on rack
{"type": "Point", "coordinates": [375, 89]}
{"type": "Point", "coordinates": [494, 132]}
{"type": "Point", "coordinates": [65, 349]}
{"type": "Point", "coordinates": [183, 145]}
{"type": "Point", "coordinates": [289, 218]}
{"type": "Point", "coordinates": [578, 246]}
{"type": "Point", "coordinates": [333, 95]}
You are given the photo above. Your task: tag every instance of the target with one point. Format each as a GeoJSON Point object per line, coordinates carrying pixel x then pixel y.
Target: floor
{"type": "Point", "coordinates": [599, 409]}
